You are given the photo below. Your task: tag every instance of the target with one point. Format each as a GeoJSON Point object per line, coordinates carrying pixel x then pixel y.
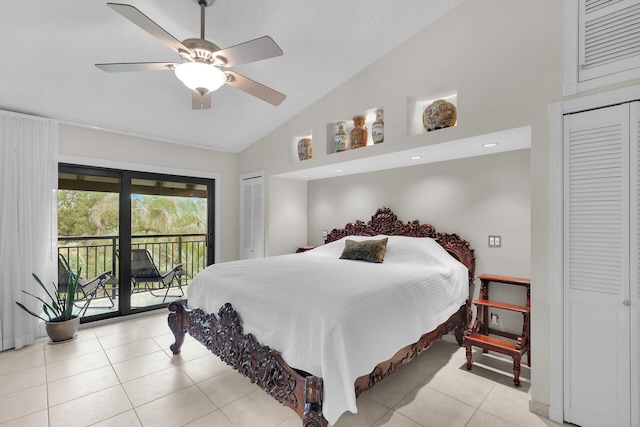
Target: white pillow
{"type": "Point", "coordinates": [415, 250]}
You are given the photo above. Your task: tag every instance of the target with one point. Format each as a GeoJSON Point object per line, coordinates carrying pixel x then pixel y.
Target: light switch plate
{"type": "Point", "coordinates": [495, 241]}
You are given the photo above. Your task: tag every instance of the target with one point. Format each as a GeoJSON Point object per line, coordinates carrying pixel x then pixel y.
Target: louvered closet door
{"type": "Point", "coordinates": [609, 37]}
{"type": "Point", "coordinates": [597, 267]}
{"type": "Point", "coordinates": [252, 217]}
{"type": "Point", "coordinates": [634, 290]}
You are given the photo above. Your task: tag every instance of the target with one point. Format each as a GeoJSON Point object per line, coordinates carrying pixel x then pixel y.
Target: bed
{"type": "Point", "coordinates": [325, 323]}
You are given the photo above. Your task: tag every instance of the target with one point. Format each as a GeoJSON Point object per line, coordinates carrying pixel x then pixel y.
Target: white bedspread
{"type": "Point", "coordinates": [338, 318]}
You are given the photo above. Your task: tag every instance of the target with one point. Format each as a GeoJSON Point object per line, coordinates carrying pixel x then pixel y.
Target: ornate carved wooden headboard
{"type": "Point", "coordinates": [384, 221]}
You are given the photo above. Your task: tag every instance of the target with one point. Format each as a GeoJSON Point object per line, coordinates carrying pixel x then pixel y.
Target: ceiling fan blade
{"type": "Point", "coordinates": [144, 22]}
{"type": "Point", "coordinates": [251, 51]}
{"type": "Point", "coordinates": [254, 88]}
{"type": "Point", "coordinates": [200, 102]}
{"type": "Point", "coordinates": [136, 66]}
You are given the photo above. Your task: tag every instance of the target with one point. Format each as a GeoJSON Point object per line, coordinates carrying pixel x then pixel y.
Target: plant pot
{"type": "Point", "coordinates": [63, 331]}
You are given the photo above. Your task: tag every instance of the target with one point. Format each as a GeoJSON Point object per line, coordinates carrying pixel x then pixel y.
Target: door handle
{"type": "Point", "coordinates": [626, 303]}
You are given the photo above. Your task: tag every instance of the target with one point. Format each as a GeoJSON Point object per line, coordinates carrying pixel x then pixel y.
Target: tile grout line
{"type": "Point", "coordinates": [46, 384]}
{"type": "Point", "coordinates": [420, 385]}
{"type": "Point", "coordinates": [218, 408]}
{"type": "Point", "coordinates": [104, 351]}
{"type": "Point", "coordinates": [177, 365]}
{"type": "Point", "coordinates": [479, 405]}
{"type": "Point", "coordinates": [120, 380]}
{"type": "Point", "coordinates": [44, 365]}
{"type": "Point", "coordinates": [461, 401]}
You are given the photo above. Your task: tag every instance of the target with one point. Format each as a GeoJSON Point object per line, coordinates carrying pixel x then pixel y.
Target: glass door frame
{"type": "Point", "coordinates": [124, 230]}
{"type": "Point", "coordinates": [126, 236]}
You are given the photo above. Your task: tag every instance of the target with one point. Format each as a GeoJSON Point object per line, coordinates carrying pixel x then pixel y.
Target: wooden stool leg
{"type": "Point", "coordinates": [516, 370]}
{"type": "Point", "coordinates": [469, 357]}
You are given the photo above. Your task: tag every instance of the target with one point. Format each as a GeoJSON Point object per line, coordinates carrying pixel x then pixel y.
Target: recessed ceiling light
{"type": "Point", "coordinates": [305, 176]}
{"type": "Point", "coordinates": [415, 157]}
{"type": "Point", "coordinates": [489, 144]}
{"type": "Point", "coordinates": [339, 170]}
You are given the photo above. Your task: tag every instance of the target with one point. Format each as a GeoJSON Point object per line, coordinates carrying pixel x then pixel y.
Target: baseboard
{"type": "Point", "coordinates": [116, 319]}
{"type": "Point", "coordinates": [539, 408]}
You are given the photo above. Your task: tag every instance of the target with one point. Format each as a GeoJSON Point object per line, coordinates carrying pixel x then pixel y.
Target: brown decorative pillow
{"type": "Point", "coordinates": [367, 250]}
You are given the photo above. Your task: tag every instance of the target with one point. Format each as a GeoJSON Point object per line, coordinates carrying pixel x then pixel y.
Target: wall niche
{"type": "Point", "coordinates": [416, 106]}
{"type": "Point", "coordinates": [372, 118]}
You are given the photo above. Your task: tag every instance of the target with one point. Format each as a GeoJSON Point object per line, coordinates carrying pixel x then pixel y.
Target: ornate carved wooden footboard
{"type": "Point", "coordinates": [222, 333]}
{"type": "Point", "coordinates": [301, 391]}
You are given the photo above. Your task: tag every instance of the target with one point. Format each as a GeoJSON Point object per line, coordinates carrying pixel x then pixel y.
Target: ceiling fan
{"type": "Point", "coordinates": [204, 65]}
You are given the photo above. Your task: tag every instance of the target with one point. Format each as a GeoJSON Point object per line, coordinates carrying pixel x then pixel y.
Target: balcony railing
{"type": "Point", "coordinates": [96, 254]}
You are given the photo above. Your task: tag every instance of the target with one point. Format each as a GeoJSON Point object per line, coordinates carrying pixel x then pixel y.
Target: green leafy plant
{"type": "Point", "coordinates": [60, 307]}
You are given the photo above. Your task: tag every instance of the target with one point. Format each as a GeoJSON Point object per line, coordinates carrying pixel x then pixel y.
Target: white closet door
{"type": "Point", "coordinates": [251, 217]}
{"type": "Point", "coordinates": [597, 267]}
{"type": "Point", "coordinates": [634, 290]}
{"type": "Point", "coordinates": [609, 37]}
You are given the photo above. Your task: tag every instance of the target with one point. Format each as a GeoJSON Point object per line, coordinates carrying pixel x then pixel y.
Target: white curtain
{"type": "Point", "coordinates": [28, 221]}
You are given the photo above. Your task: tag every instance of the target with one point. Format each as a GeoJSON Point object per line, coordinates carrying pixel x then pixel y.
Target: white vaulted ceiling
{"type": "Point", "coordinates": [49, 49]}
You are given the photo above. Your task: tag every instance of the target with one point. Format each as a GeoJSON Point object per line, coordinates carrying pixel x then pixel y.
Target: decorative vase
{"type": "Point", "coordinates": [358, 137]}
{"type": "Point", "coordinates": [377, 128]}
{"type": "Point", "coordinates": [62, 331]}
{"type": "Point", "coordinates": [341, 139]}
{"type": "Point", "coordinates": [304, 149]}
{"type": "Point", "coordinates": [440, 114]}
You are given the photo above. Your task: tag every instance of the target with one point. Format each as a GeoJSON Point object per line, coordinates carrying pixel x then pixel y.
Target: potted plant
{"type": "Point", "coordinates": [62, 323]}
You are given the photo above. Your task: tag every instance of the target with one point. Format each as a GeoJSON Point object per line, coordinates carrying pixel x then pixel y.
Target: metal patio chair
{"type": "Point", "coordinates": [86, 287]}
{"type": "Point", "coordinates": [144, 271]}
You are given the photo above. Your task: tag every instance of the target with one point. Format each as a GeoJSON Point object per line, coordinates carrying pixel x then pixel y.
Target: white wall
{"type": "Point", "coordinates": [504, 58]}
{"type": "Point", "coordinates": [287, 210]}
{"type": "Point", "coordinates": [98, 147]}
{"type": "Point", "coordinates": [472, 197]}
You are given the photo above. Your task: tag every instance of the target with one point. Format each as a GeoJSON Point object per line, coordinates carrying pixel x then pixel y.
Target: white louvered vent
{"type": "Point", "coordinates": [595, 209]}
{"type": "Point", "coordinates": [609, 37]}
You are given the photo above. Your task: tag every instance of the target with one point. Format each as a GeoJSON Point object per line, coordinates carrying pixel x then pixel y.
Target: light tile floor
{"type": "Point", "coordinates": [123, 374]}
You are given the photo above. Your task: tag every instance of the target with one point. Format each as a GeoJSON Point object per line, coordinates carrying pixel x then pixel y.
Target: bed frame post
{"type": "Point", "coordinates": [462, 328]}
{"type": "Point", "coordinates": [177, 323]}
{"type": "Point", "coordinates": [312, 415]}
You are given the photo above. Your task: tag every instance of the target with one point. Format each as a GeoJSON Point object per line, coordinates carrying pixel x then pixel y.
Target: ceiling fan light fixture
{"type": "Point", "coordinates": [203, 78]}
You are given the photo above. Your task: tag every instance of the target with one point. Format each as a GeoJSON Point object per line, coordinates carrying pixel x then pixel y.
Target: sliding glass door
{"type": "Point", "coordinates": [168, 237]}
{"type": "Point", "coordinates": [88, 233]}
{"type": "Point", "coordinates": [152, 232]}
